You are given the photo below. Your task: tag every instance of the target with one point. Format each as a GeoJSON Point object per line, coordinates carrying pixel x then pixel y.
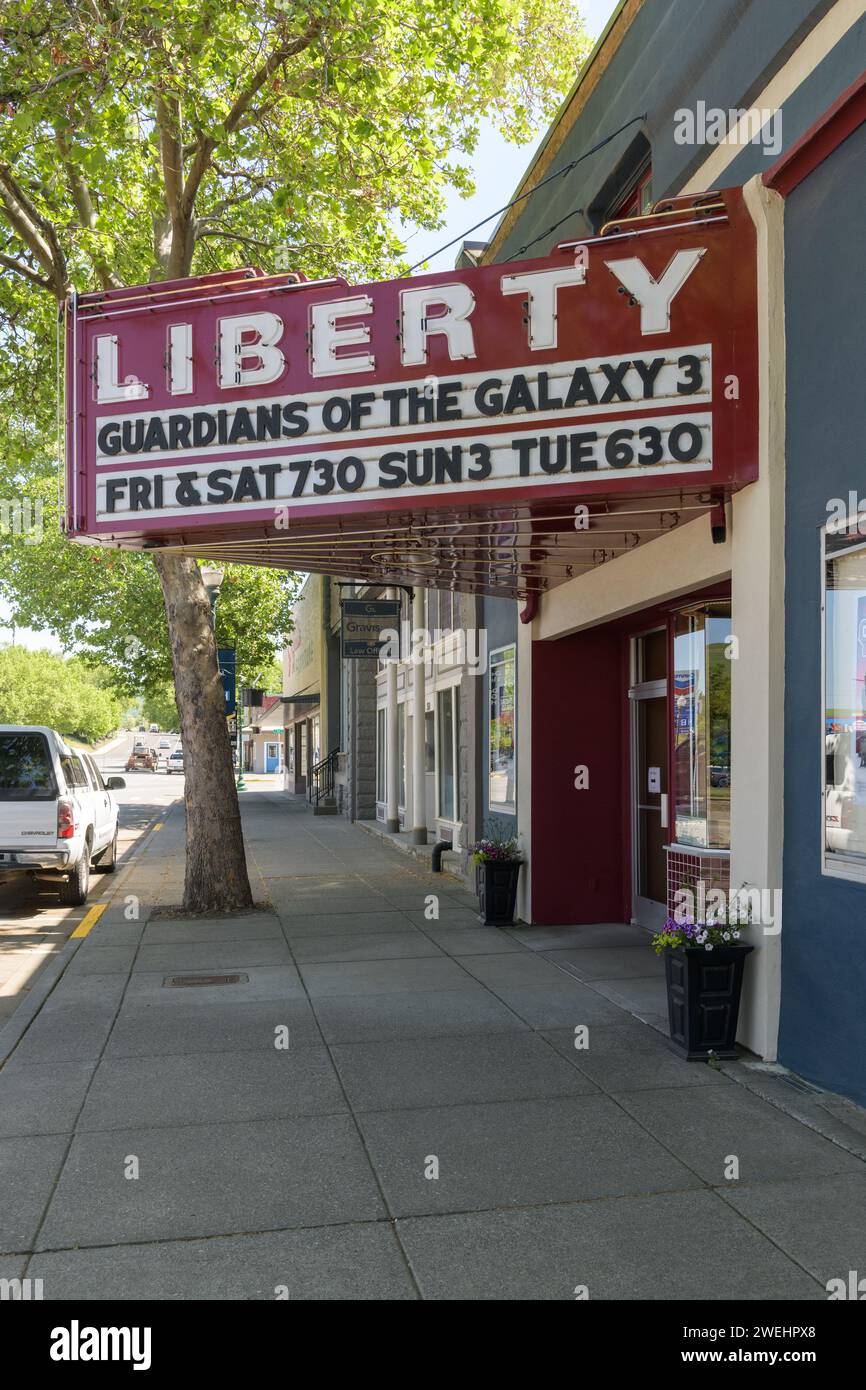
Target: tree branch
{"type": "Point", "coordinates": [171, 153]}
{"type": "Point", "coordinates": [21, 269]}
{"type": "Point", "coordinates": [37, 233]}
{"type": "Point", "coordinates": [206, 144]}
{"type": "Point", "coordinates": [86, 212]}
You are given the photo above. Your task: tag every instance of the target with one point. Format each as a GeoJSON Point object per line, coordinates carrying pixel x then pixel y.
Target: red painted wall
{"type": "Point", "coordinates": [579, 844]}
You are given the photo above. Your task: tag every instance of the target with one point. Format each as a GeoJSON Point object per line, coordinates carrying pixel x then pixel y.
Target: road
{"type": "Point", "coordinates": [33, 923]}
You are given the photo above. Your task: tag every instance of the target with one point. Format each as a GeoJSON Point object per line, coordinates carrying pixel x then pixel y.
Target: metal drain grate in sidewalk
{"type": "Point", "coordinates": [190, 981]}
{"type": "Point", "coordinates": [798, 1084]}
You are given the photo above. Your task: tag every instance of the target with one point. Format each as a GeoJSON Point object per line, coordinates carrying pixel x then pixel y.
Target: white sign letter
{"type": "Point", "coordinates": [540, 287]}
{"type": "Point", "coordinates": [326, 336]}
{"type": "Point", "coordinates": [108, 386]}
{"type": "Point", "coordinates": [655, 296]}
{"type": "Point", "coordinates": [417, 324]}
{"type": "Point", "coordinates": [180, 359]}
{"type": "Point", "coordinates": [268, 362]}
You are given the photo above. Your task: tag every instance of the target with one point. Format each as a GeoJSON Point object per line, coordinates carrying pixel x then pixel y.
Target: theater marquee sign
{"type": "Point", "coordinates": [381, 430]}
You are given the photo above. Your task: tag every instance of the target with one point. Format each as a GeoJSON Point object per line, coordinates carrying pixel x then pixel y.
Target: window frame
{"type": "Point", "coordinates": [448, 692]}
{"type": "Point", "coordinates": [625, 205]}
{"type": "Point", "coordinates": [381, 755]}
{"type": "Point", "coordinates": [501, 808]}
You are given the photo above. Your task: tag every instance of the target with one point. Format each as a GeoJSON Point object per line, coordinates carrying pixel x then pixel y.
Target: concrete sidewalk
{"type": "Point", "coordinates": [376, 1105]}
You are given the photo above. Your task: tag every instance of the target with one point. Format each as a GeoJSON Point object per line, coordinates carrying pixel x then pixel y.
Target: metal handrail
{"type": "Point", "coordinates": [321, 780]}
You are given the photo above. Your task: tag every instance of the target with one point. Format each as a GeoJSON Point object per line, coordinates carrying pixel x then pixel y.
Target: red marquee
{"type": "Point", "coordinates": [499, 428]}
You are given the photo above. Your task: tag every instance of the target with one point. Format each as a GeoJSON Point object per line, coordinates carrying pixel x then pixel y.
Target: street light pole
{"type": "Point", "coordinates": [212, 577]}
{"type": "Point", "coordinates": [241, 784]}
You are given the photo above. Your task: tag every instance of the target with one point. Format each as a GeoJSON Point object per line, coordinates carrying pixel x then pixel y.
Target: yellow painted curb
{"type": "Point", "coordinates": [90, 919]}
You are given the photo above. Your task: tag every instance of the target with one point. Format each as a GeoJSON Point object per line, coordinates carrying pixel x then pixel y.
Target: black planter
{"type": "Point", "coordinates": [497, 891]}
{"type": "Point", "coordinates": [704, 990]}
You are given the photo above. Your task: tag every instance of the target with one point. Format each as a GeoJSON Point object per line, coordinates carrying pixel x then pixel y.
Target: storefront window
{"type": "Point", "coordinates": [845, 700]}
{"type": "Point", "coordinates": [702, 726]}
{"type": "Point", "coordinates": [447, 709]}
{"type": "Point", "coordinates": [401, 754]}
{"type": "Point", "coordinates": [381, 774]}
{"type": "Point", "coordinates": [501, 765]}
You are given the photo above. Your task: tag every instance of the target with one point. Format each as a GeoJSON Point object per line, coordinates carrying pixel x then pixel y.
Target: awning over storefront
{"type": "Point", "coordinates": [497, 429]}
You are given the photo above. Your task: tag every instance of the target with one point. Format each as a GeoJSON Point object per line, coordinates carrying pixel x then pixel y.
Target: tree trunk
{"type": "Point", "coordinates": [216, 871]}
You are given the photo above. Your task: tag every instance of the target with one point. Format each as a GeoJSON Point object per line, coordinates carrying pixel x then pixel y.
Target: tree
{"type": "Point", "coordinates": [43, 688]}
{"type": "Point", "coordinates": [145, 139]}
{"type": "Point", "coordinates": [159, 707]}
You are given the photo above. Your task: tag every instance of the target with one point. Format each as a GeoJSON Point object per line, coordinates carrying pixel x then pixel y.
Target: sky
{"type": "Point", "coordinates": [498, 168]}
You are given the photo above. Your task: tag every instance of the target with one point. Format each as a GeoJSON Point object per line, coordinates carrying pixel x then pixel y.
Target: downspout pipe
{"type": "Point", "coordinates": [436, 858]}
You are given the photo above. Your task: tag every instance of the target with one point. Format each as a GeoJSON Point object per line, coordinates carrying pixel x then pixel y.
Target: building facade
{"type": "Point", "coordinates": [659, 741]}
{"type": "Point", "coordinates": [311, 683]}
{"type": "Point", "coordinates": [823, 1022]}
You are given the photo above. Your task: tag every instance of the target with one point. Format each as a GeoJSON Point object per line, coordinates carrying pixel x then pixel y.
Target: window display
{"type": "Point", "coordinates": [702, 726]}
{"type": "Point", "coordinates": [501, 764]}
{"type": "Point", "coordinates": [844, 726]}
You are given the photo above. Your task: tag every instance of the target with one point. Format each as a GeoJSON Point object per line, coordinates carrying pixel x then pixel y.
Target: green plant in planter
{"type": "Point", "coordinates": [495, 851]}
{"type": "Point", "coordinates": [497, 868]}
{"type": "Point", "coordinates": [718, 927]}
{"type": "Point", "coordinates": [704, 964]}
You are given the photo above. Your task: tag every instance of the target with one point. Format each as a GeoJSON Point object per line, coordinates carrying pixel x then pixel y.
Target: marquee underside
{"type": "Point", "coordinates": [508, 552]}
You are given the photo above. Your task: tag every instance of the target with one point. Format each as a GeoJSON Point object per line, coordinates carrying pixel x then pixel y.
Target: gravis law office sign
{"type": "Point", "coordinates": [248, 405]}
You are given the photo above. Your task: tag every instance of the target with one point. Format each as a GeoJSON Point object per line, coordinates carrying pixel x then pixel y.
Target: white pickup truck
{"type": "Point", "coordinates": [57, 815]}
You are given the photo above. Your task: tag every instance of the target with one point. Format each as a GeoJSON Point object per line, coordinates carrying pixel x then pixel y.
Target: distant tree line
{"type": "Point", "coordinates": [62, 692]}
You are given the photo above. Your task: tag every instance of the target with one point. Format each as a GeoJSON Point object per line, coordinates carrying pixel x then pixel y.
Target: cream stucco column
{"type": "Point", "coordinates": [419, 777]}
{"type": "Point", "coordinates": [392, 816]}
{"type": "Point", "coordinates": [758, 670]}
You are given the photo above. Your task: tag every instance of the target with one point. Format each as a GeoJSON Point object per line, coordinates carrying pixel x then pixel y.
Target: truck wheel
{"type": "Point", "coordinates": [73, 891]}
{"type": "Point", "coordinates": [107, 861]}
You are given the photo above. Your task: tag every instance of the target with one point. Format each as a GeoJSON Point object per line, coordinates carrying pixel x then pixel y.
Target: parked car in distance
{"type": "Point", "coordinates": [154, 729]}
{"type": "Point", "coordinates": [142, 729]}
{"type": "Point", "coordinates": [165, 743]}
{"type": "Point", "coordinates": [174, 761]}
{"type": "Point", "coordinates": [57, 815]}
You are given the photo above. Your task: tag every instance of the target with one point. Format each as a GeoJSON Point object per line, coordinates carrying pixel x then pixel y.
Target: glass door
{"type": "Point", "coordinates": [648, 695]}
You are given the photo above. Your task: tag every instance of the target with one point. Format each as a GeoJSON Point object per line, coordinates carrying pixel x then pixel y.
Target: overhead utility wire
{"type": "Point", "coordinates": [566, 169]}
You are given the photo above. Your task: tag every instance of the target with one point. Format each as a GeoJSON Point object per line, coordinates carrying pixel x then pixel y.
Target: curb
{"type": "Point", "coordinates": [416, 852]}
{"type": "Point", "coordinates": [50, 975]}
{"type": "Point", "coordinates": [17, 1024]}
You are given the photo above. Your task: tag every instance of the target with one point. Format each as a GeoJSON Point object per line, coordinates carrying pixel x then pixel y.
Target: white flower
{"type": "Point", "coordinates": [709, 946]}
{"type": "Point", "coordinates": [735, 935]}
{"type": "Point", "coordinates": [726, 935]}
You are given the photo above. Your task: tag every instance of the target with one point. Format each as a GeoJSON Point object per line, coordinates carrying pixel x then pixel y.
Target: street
{"type": "Point", "coordinates": [33, 923]}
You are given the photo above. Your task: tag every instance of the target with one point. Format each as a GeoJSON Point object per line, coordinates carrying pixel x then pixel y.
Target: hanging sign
{"type": "Point", "coordinates": [227, 657]}
{"type": "Point", "coordinates": [367, 625]}
{"type": "Point", "coordinates": [245, 404]}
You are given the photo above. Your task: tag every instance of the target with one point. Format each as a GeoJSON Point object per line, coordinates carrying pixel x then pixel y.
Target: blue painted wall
{"type": "Point", "coordinates": [675, 54]}
{"type": "Point", "coordinates": [823, 1021]}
